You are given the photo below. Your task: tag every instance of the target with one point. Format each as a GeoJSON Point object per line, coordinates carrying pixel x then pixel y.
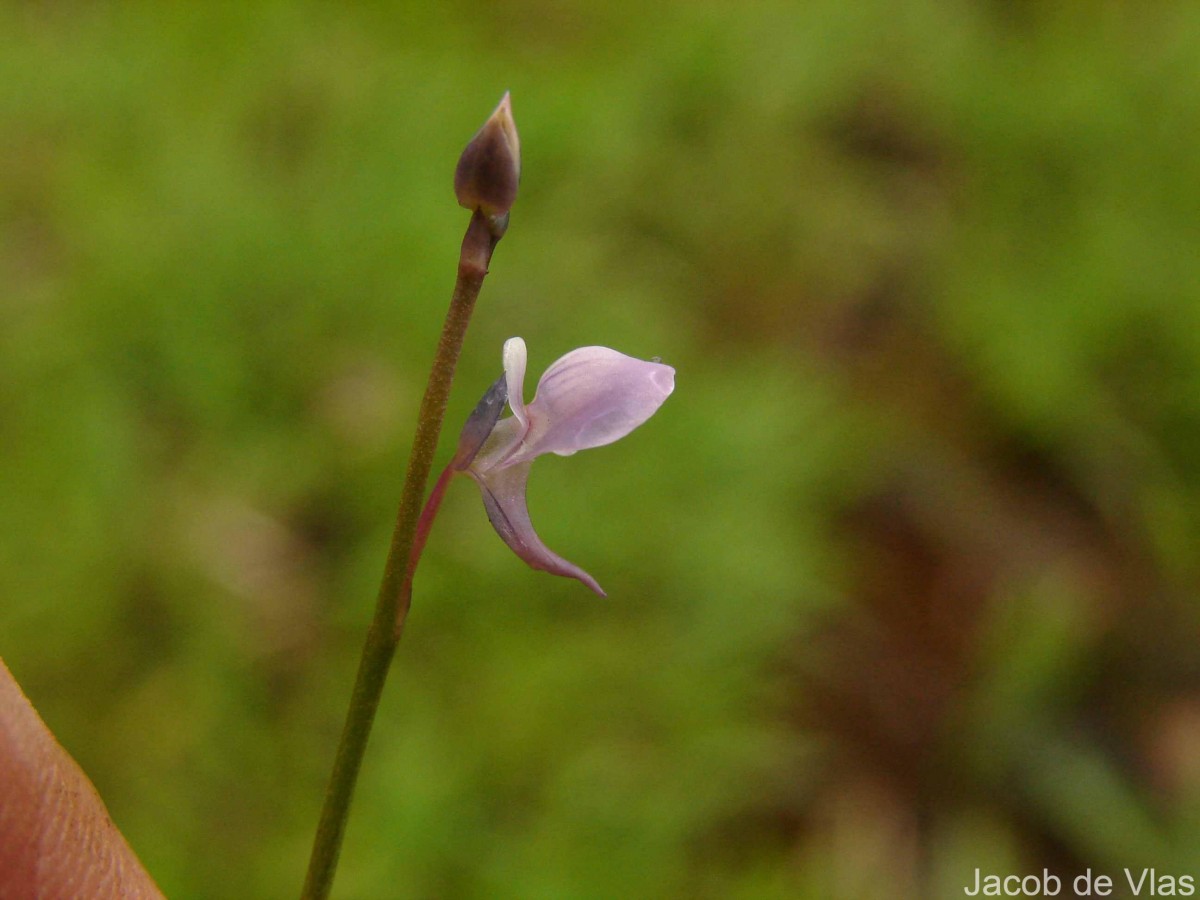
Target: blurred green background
{"type": "Point", "coordinates": [903, 579]}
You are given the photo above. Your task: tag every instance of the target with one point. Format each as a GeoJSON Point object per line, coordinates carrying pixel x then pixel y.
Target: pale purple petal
{"type": "Point", "coordinates": [499, 447]}
{"type": "Point", "coordinates": [515, 357]}
{"type": "Point", "coordinates": [589, 398]}
{"type": "Point", "coordinates": [504, 498]}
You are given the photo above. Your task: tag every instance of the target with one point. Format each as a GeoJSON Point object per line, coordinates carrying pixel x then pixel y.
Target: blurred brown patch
{"type": "Point", "coordinates": [964, 519]}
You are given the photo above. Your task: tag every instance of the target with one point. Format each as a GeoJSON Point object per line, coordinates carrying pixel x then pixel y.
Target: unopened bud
{"type": "Point", "coordinates": [490, 167]}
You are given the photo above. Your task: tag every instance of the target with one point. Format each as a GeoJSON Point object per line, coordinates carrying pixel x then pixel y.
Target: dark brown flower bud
{"type": "Point", "coordinates": [490, 167]}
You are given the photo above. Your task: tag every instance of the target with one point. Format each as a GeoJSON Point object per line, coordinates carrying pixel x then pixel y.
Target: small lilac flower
{"type": "Point", "coordinates": [588, 398]}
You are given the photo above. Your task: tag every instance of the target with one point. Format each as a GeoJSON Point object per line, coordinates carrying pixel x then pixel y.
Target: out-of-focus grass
{"type": "Point", "coordinates": [903, 578]}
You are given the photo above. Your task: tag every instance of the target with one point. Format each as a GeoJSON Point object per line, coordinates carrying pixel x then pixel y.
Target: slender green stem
{"type": "Point", "coordinates": [395, 592]}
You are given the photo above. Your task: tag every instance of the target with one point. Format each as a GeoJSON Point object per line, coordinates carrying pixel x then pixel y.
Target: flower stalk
{"type": "Point", "coordinates": [486, 227]}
